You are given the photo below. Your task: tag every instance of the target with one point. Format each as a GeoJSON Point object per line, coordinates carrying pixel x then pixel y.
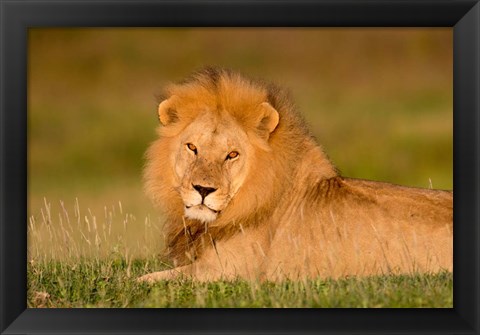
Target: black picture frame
{"type": "Point", "coordinates": [16, 16]}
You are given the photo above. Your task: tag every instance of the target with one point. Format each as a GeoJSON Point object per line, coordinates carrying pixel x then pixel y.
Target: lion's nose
{"type": "Point", "coordinates": [204, 191]}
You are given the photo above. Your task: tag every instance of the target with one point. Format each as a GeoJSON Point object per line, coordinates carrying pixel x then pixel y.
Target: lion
{"type": "Point", "coordinates": [248, 194]}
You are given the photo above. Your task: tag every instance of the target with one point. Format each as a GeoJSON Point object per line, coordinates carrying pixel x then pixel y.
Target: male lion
{"type": "Point", "coordinates": [249, 194]}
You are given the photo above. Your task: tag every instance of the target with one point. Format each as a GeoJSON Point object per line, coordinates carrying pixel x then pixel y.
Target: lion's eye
{"type": "Point", "coordinates": [232, 155]}
{"type": "Point", "coordinates": [192, 147]}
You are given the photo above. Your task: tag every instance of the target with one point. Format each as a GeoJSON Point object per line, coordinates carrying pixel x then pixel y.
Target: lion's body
{"type": "Point", "coordinates": [278, 209]}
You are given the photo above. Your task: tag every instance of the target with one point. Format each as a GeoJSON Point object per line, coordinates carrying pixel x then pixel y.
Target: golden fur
{"type": "Point", "coordinates": [278, 209]}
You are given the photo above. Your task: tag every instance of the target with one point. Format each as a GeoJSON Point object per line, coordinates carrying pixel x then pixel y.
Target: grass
{"type": "Point", "coordinates": [92, 261]}
{"type": "Point", "coordinates": [111, 283]}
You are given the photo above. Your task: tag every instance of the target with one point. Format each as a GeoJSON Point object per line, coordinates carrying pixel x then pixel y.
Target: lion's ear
{"type": "Point", "coordinates": [268, 119]}
{"type": "Point", "coordinates": [166, 112]}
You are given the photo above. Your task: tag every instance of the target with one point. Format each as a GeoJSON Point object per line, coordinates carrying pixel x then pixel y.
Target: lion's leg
{"type": "Point", "coordinates": [200, 271]}
{"type": "Point", "coordinates": [182, 271]}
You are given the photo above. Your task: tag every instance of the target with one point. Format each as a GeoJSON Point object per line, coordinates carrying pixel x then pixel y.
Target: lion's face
{"type": "Point", "coordinates": [213, 137]}
{"type": "Point", "coordinates": [211, 161]}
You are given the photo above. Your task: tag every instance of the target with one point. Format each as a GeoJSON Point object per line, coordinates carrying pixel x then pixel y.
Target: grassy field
{"type": "Point", "coordinates": [90, 263]}
{"type": "Point", "coordinates": [111, 283]}
{"type": "Point", "coordinates": [378, 100]}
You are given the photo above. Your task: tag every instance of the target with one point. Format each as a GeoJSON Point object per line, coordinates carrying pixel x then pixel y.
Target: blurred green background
{"type": "Point", "coordinates": [378, 100]}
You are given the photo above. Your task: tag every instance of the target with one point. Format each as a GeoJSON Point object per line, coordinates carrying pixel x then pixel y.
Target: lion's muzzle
{"type": "Point", "coordinates": [200, 203]}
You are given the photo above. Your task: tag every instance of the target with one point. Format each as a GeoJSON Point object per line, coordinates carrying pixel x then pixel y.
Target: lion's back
{"type": "Point", "coordinates": [354, 227]}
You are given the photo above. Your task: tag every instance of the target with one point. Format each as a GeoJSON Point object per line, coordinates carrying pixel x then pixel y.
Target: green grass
{"type": "Point", "coordinates": [111, 283]}
{"type": "Point", "coordinates": [77, 258]}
